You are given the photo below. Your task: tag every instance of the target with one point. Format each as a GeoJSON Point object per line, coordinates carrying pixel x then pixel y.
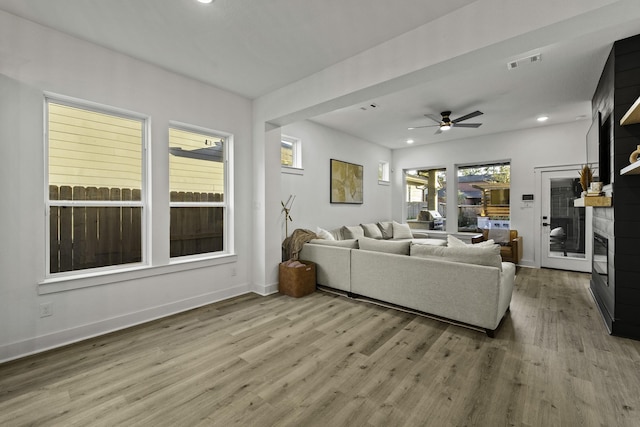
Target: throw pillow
{"type": "Point", "coordinates": [500, 236]}
{"type": "Point", "coordinates": [386, 228]}
{"type": "Point", "coordinates": [399, 248]}
{"type": "Point", "coordinates": [401, 231]}
{"type": "Point", "coordinates": [350, 244]}
{"type": "Point", "coordinates": [371, 230]}
{"type": "Point", "coordinates": [453, 241]}
{"type": "Point", "coordinates": [354, 232]}
{"type": "Point", "coordinates": [324, 234]}
{"type": "Point", "coordinates": [488, 256]}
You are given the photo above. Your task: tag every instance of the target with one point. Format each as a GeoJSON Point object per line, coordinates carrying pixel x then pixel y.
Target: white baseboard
{"type": "Point", "coordinates": [42, 343]}
{"type": "Point", "coordinates": [265, 290]}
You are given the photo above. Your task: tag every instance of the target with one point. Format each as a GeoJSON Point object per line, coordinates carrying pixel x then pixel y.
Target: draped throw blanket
{"type": "Point", "coordinates": [293, 244]}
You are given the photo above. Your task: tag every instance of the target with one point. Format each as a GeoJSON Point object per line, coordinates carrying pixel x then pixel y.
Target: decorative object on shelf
{"type": "Point", "coordinates": [634, 155]}
{"type": "Point", "coordinates": [586, 176]}
{"type": "Point", "coordinates": [346, 182]}
{"type": "Point", "coordinates": [595, 189]}
{"type": "Point", "coordinates": [286, 208]}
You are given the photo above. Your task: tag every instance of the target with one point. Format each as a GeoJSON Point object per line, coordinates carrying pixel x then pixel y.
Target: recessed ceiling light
{"type": "Point", "coordinates": [410, 141]}
{"type": "Point", "coordinates": [205, 1]}
{"type": "Point", "coordinates": [542, 118]}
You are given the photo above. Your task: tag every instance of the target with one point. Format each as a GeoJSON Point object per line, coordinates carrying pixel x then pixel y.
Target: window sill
{"type": "Point", "coordinates": [137, 271]}
{"type": "Point", "coordinates": [380, 182]}
{"type": "Point", "coordinates": [291, 170]}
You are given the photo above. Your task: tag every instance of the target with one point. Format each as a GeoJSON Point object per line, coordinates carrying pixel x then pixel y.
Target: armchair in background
{"type": "Point", "coordinates": [509, 241]}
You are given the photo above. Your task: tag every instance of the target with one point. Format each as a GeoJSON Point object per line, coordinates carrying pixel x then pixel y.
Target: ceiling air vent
{"type": "Point", "coordinates": [524, 61]}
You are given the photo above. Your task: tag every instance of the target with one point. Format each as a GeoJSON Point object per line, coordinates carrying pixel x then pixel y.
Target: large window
{"type": "Point", "coordinates": [197, 181]}
{"type": "Point", "coordinates": [95, 186]}
{"type": "Point", "coordinates": [483, 196]}
{"type": "Point", "coordinates": [426, 190]}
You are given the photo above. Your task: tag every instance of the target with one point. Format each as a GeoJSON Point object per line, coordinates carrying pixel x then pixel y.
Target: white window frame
{"type": "Point", "coordinates": [386, 175]}
{"type": "Point", "coordinates": [226, 204]}
{"type": "Point", "coordinates": [143, 203]}
{"type": "Point", "coordinates": [296, 148]}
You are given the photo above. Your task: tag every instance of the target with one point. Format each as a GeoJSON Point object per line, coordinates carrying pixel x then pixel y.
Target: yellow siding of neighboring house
{"type": "Point", "coordinates": [286, 156]}
{"type": "Point", "coordinates": [91, 149]}
{"type": "Point", "coordinates": [194, 175]}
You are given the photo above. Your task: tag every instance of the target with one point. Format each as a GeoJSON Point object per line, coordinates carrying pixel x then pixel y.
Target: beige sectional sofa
{"type": "Point", "coordinates": [469, 285]}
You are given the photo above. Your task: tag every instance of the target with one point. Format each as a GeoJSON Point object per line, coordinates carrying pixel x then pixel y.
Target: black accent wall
{"type": "Point", "coordinates": [617, 90]}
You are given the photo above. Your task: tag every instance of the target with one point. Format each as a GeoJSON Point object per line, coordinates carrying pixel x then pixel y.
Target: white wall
{"type": "Point", "coordinates": [539, 147]}
{"type": "Point", "coordinates": [34, 59]}
{"type": "Point", "coordinates": [311, 207]}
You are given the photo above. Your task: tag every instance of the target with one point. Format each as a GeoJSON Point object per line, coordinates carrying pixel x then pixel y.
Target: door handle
{"type": "Point", "coordinates": [545, 224]}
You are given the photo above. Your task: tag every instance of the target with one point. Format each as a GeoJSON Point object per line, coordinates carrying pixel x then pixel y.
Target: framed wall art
{"type": "Point", "coordinates": [346, 182]}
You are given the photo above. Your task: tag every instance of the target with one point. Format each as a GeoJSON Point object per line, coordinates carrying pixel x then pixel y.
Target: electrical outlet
{"type": "Point", "coordinates": [46, 309]}
{"type": "Point", "coordinates": [233, 271]}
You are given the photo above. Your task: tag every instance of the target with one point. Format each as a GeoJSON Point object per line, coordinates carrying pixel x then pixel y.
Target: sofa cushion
{"type": "Point", "coordinates": [386, 228]}
{"type": "Point", "coordinates": [352, 232]}
{"type": "Point", "coordinates": [399, 248]}
{"type": "Point", "coordinates": [489, 255]}
{"type": "Point", "coordinates": [401, 231]}
{"type": "Point", "coordinates": [324, 234]}
{"type": "Point", "coordinates": [350, 243]}
{"type": "Point", "coordinates": [372, 231]}
{"type": "Point", "coordinates": [453, 241]}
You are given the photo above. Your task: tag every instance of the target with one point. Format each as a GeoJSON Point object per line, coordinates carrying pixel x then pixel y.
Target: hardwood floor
{"type": "Point", "coordinates": [327, 360]}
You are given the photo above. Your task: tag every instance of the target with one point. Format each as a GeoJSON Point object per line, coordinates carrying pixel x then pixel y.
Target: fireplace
{"type": "Point", "coordinates": [600, 273]}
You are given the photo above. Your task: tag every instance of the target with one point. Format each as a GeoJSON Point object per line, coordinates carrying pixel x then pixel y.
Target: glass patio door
{"type": "Point", "coordinates": [566, 231]}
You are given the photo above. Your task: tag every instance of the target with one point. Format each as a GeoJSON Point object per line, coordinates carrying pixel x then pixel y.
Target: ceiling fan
{"type": "Point", "coordinates": [445, 123]}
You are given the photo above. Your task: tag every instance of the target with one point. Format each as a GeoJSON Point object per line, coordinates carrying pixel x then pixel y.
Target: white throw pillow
{"type": "Point", "coordinates": [371, 230]}
{"type": "Point", "coordinates": [401, 231]}
{"type": "Point", "coordinates": [499, 235]}
{"type": "Point", "coordinates": [324, 234]}
{"type": "Point", "coordinates": [453, 241]}
{"type": "Point", "coordinates": [399, 248]}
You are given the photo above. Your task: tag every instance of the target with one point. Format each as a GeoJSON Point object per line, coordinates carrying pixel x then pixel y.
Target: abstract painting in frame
{"type": "Point", "coordinates": [346, 182]}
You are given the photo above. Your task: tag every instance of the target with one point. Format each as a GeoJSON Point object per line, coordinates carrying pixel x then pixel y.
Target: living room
{"type": "Point", "coordinates": [41, 311]}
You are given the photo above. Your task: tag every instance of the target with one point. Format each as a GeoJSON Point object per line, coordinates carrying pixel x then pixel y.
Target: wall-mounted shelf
{"type": "Point", "coordinates": [595, 201]}
{"type": "Point", "coordinates": [632, 169]}
{"type": "Point", "coordinates": [632, 116]}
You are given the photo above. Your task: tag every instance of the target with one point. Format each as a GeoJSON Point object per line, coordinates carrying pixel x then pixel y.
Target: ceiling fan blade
{"type": "Point", "coordinates": [420, 127]}
{"type": "Point", "coordinates": [468, 116]}
{"type": "Point", "coordinates": [438, 131]}
{"type": "Point", "coordinates": [434, 118]}
{"type": "Point", "coordinates": [467, 125]}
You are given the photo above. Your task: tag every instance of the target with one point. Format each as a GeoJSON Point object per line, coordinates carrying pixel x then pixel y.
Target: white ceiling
{"type": "Point", "coordinates": [254, 47]}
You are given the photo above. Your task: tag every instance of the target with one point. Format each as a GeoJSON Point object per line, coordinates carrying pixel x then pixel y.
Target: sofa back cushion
{"type": "Point", "coordinates": [371, 230]}
{"type": "Point", "coordinates": [399, 248]}
{"type": "Point", "coordinates": [488, 255]}
{"type": "Point", "coordinates": [350, 243]}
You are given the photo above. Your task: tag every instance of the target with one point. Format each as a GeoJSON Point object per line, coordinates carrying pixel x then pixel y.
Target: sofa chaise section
{"type": "Point", "coordinates": [477, 295]}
